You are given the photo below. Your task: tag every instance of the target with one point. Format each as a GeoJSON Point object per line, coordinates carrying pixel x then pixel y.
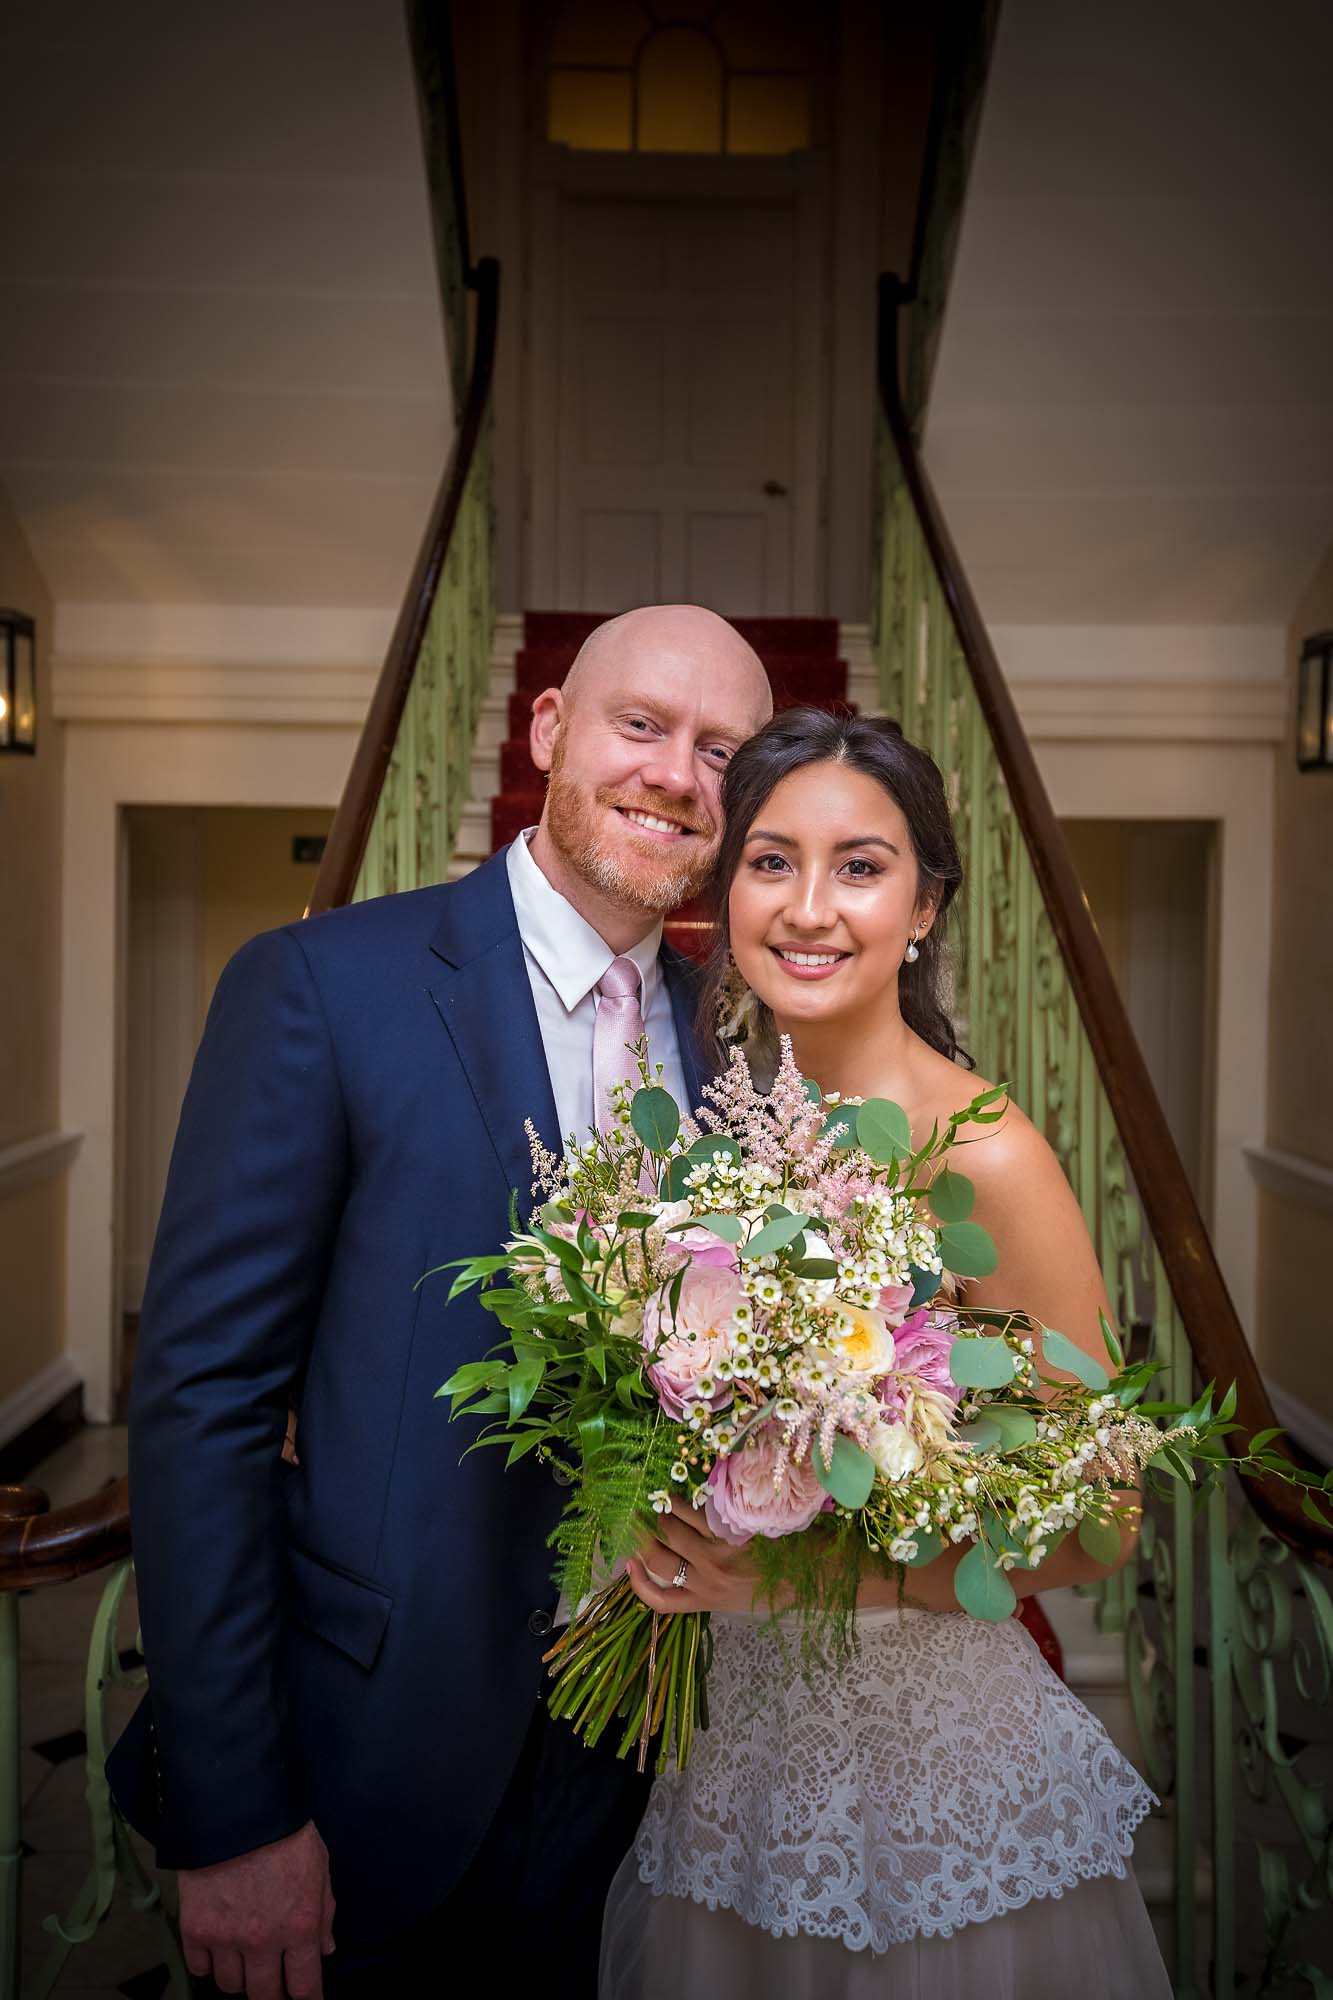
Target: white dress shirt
{"type": "Point", "coordinates": [565, 958]}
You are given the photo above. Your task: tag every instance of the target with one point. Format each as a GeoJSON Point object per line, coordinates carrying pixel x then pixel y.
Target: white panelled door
{"type": "Point", "coordinates": [684, 440]}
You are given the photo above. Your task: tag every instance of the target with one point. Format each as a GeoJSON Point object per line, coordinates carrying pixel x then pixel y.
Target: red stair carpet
{"type": "Point", "coordinates": [801, 658]}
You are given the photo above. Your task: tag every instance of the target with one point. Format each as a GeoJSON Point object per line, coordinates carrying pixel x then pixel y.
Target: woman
{"type": "Point", "coordinates": [944, 1819]}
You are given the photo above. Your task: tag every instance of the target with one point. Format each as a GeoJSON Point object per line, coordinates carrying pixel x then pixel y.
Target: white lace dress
{"type": "Point", "coordinates": [942, 1820]}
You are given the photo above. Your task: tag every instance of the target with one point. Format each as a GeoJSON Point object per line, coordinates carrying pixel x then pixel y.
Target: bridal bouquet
{"type": "Point", "coordinates": [772, 1335]}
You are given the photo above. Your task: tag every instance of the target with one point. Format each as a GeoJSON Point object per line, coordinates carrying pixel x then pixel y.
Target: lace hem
{"type": "Point", "coordinates": [947, 1776]}
{"type": "Point", "coordinates": [1002, 1904]}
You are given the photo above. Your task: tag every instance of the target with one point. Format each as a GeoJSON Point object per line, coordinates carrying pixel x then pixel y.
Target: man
{"type": "Point", "coordinates": [344, 1653]}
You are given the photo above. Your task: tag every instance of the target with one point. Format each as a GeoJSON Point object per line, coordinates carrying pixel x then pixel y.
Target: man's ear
{"type": "Point", "coordinates": [548, 716]}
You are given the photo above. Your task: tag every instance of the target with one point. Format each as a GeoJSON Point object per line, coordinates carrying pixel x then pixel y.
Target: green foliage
{"type": "Point", "coordinates": [883, 1130]}
{"type": "Point", "coordinates": [655, 1116]}
{"type": "Point", "coordinates": [775, 1235]}
{"type": "Point", "coordinates": [848, 1473]}
{"type": "Point", "coordinates": [1061, 1352]}
{"type": "Point", "coordinates": [1099, 1539]}
{"type": "Point", "coordinates": [981, 1363]}
{"type": "Point", "coordinates": [967, 1250]}
{"type": "Point", "coordinates": [817, 1576]}
{"type": "Point", "coordinates": [981, 1586]}
{"type": "Point", "coordinates": [952, 1196]}
{"type": "Point", "coordinates": [625, 1459]}
{"type": "Point", "coordinates": [1016, 1427]}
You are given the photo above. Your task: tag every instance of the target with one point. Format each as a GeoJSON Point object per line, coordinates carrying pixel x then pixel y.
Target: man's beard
{"type": "Point", "coordinates": [654, 883]}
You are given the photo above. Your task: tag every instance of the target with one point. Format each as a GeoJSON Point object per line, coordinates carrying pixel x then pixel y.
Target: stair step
{"type": "Point", "coordinates": [814, 677]}
{"type": "Point", "coordinates": [766, 635]}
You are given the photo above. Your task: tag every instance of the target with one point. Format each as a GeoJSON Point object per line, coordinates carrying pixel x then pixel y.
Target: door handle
{"type": "Point", "coordinates": [774, 488]}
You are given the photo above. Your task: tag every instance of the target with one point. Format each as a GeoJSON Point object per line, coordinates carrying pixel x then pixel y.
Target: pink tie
{"type": "Point", "coordinates": [619, 1022]}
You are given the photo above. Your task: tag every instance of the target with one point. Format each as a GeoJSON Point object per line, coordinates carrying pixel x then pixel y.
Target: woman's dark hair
{"type": "Point", "coordinates": [794, 739]}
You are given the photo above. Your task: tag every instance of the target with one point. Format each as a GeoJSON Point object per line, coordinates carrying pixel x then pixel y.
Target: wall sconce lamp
{"type": "Point", "coordinates": [18, 683]}
{"type": "Point", "coordinates": [1314, 705]}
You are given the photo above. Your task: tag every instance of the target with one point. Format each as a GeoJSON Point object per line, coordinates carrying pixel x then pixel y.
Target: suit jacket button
{"type": "Point", "coordinates": [540, 1623]}
{"type": "Point", "coordinates": [562, 1474]}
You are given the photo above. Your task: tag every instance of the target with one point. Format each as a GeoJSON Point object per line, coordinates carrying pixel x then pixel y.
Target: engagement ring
{"type": "Point", "coordinates": [678, 1580]}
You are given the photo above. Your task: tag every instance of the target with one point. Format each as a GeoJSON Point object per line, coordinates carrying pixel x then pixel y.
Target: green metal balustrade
{"type": "Point", "coordinates": [411, 837]}
{"type": "Point", "coordinates": [1227, 1629]}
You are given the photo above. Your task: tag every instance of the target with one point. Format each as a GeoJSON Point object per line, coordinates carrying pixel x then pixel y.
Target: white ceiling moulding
{"type": "Point", "coordinates": [39, 1159]}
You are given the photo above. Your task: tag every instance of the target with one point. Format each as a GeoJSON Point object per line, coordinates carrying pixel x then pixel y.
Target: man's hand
{"type": "Point", "coordinates": [718, 1577]}
{"type": "Point", "coordinates": [259, 1922]}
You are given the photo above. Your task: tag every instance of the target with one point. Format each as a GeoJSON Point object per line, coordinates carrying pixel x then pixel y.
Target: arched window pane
{"type": "Point", "coordinates": [680, 93]}
{"type": "Point", "coordinates": [590, 109]}
{"type": "Point", "coordinates": [768, 114]}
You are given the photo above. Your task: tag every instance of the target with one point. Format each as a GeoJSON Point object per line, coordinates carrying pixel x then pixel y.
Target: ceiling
{"type": "Point", "coordinates": [1132, 415]}
{"type": "Point", "coordinates": [222, 372]}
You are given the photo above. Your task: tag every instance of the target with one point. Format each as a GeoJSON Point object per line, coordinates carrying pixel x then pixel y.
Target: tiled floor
{"type": "Point", "coordinates": [125, 1955]}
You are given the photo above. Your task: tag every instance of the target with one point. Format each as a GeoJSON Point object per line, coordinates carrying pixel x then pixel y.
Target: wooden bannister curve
{"type": "Point", "coordinates": [1215, 1334]}
{"type": "Point", "coordinates": [356, 809]}
{"type": "Point", "coordinates": [38, 1546]}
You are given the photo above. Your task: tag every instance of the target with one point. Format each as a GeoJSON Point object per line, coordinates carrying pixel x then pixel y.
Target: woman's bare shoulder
{"type": "Point", "coordinates": [1006, 1149]}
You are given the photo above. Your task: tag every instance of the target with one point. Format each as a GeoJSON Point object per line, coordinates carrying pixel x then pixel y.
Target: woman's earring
{"type": "Point", "coordinates": [911, 954]}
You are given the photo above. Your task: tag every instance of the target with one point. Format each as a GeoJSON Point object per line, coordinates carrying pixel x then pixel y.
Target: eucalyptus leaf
{"type": "Point", "coordinates": [883, 1130]}
{"type": "Point", "coordinates": [848, 1474]}
{"type": "Point", "coordinates": [928, 1545]}
{"type": "Point", "coordinates": [1061, 1352]}
{"type": "Point", "coordinates": [1017, 1427]}
{"type": "Point", "coordinates": [840, 1126]}
{"type": "Point", "coordinates": [925, 1284]}
{"type": "Point", "coordinates": [655, 1116]}
{"type": "Point", "coordinates": [1099, 1539]}
{"type": "Point", "coordinates": [814, 1095]}
{"type": "Point", "coordinates": [980, 1434]}
{"type": "Point", "coordinates": [986, 1363]}
{"type": "Point", "coordinates": [774, 1235]}
{"type": "Point", "coordinates": [981, 1586]}
{"type": "Point", "coordinates": [952, 1196]}
{"type": "Point", "coordinates": [729, 1227]}
{"type": "Point", "coordinates": [714, 1146]}
{"type": "Point", "coordinates": [967, 1250]}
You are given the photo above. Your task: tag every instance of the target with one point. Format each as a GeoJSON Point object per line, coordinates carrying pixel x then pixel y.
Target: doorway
{"type": "Point", "coordinates": [677, 385]}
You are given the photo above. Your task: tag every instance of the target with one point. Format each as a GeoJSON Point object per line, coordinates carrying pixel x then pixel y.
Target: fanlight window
{"type": "Point", "coordinates": [662, 76]}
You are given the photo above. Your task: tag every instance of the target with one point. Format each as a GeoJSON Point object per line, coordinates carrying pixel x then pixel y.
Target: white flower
{"type": "Point", "coordinates": [660, 1502]}
{"type": "Point", "coordinates": [895, 1451]}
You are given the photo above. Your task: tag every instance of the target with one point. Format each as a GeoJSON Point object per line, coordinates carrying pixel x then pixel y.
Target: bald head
{"type": "Point", "coordinates": [655, 637]}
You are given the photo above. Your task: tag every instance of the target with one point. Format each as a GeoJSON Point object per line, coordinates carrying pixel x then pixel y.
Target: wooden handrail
{"type": "Point", "coordinates": [38, 1546]}
{"type": "Point", "coordinates": [356, 809]}
{"type": "Point", "coordinates": [1215, 1334]}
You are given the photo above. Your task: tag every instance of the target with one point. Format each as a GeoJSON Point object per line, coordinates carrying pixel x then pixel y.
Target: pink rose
{"type": "Point", "coordinates": [895, 1303]}
{"type": "Point", "coordinates": [688, 1348]}
{"type": "Point", "coordinates": [742, 1500]}
{"type": "Point", "coordinates": [704, 1250]}
{"type": "Point", "coordinates": [922, 1345]}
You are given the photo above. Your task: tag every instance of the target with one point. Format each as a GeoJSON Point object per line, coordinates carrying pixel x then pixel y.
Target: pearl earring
{"type": "Point", "coordinates": [911, 954]}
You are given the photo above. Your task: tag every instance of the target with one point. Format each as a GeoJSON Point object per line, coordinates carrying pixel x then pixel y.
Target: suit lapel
{"type": "Point", "coordinates": [682, 978]}
{"type": "Point", "coordinates": [485, 1001]}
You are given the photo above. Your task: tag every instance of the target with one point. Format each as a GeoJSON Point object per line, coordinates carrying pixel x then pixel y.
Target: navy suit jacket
{"type": "Point", "coordinates": [348, 1641]}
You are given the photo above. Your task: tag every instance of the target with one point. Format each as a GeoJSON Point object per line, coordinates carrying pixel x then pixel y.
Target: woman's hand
{"type": "Point", "coordinates": [717, 1576]}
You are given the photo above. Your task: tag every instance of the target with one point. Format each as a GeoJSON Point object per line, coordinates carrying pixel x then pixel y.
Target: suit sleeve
{"type": "Point", "coordinates": [252, 1204]}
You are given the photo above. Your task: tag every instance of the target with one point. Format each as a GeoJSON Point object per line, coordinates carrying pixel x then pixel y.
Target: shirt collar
{"type": "Point", "coordinates": [571, 954]}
